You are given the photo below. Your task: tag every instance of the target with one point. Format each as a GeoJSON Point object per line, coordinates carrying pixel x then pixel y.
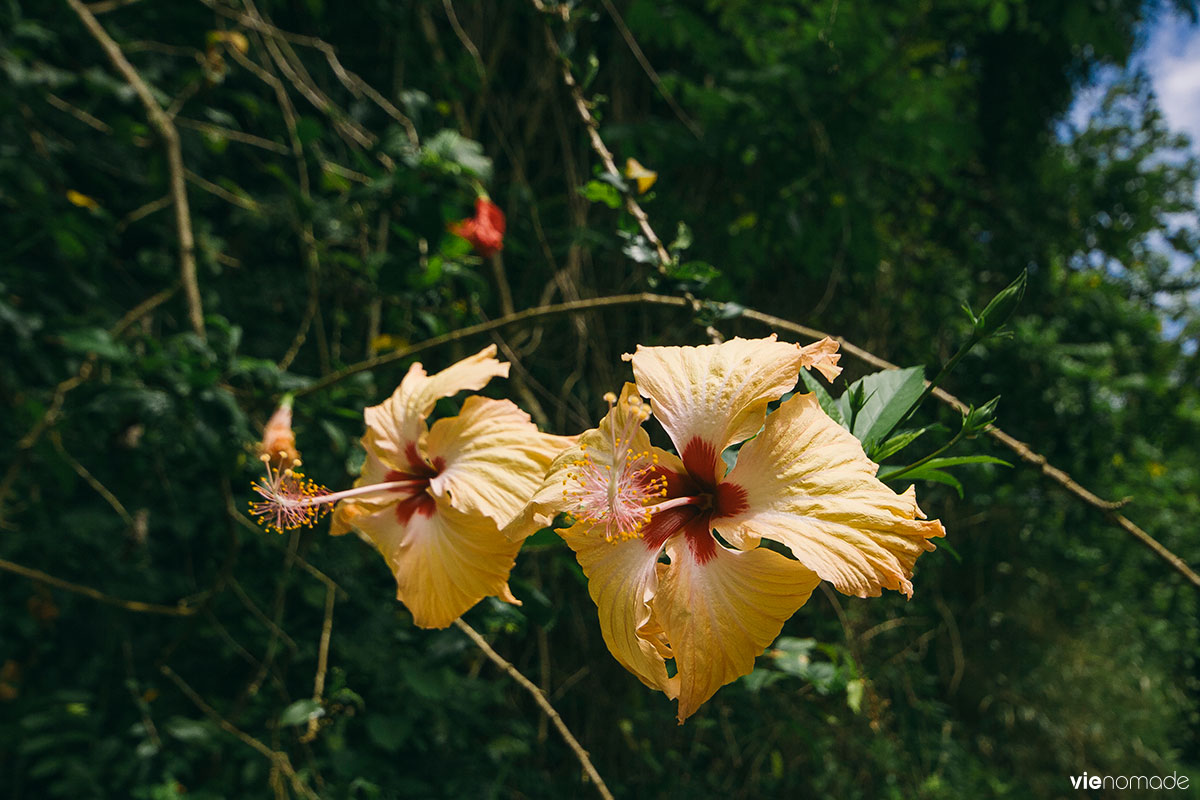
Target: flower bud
{"type": "Point", "coordinates": [1001, 307]}
{"type": "Point", "coordinates": [279, 441]}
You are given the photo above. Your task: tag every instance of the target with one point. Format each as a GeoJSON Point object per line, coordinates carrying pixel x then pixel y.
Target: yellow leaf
{"type": "Point", "coordinates": [82, 200]}
{"type": "Point", "coordinates": [645, 177]}
{"type": "Point", "coordinates": [234, 39]}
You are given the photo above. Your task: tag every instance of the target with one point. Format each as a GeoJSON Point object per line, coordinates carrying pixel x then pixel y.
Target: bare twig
{"type": "Point", "coordinates": [1023, 451]}
{"type": "Point", "coordinates": [105, 6]}
{"type": "Point", "coordinates": [95, 594]}
{"type": "Point", "coordinates": [91, 480]}
{"type": "Point", "coordinates": [232, 135]}
{"type": "Point", "coordinates": [278, 759]}
{"type": "Point", "coordinates": [350, 80]}
{"type": "Point", "coordinates": [542, 702]}
{"type": "Point", "coordinates": [50, 416]}
{"type": "Point", "coordinates": [78, 113]}
{"type": "Point", "coordinates": [539, 312]}
{"type": "Point", "coordinates": [583, 109]}
{"type": "Point", "coordinates": [170, 136]}
{"type": "Point", "coordinates": [142, 211]}
{"type": "Point", "coordinates": [322, 661]}
{"type": "Point", "coordinates": [247, 203]}
{"type": "Point", "coordinates": [636, 49]}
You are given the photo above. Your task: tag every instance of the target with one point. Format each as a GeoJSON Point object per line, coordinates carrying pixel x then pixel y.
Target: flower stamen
{"type": "Point", "coordinates": [293, 501]}
{"type": "Point", "coordinates": [618, 497]}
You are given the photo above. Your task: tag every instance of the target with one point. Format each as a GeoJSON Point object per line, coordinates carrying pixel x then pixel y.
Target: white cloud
{"type": "Point", "coordinates": [1172, 57]}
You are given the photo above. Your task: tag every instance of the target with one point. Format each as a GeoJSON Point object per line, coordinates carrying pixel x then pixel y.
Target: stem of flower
{"type": "Point", "coordinates": [889, 476]}
{"type": "Point", "coordinates": [674, 502]}
{"type": "Point", "coordinates": [390, 486]}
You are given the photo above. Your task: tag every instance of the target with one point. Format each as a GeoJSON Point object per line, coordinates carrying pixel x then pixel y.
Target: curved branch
{"type": "Point", "coordinates": [1023, 451]}
{"type": "Point", "coordinates": [542, 702]}
{"type": "Point", "coordinates": [538, 312]}
{"type": "Point", "coordinates": [95, 594]}
{"type": "Point", "coordinates": [1107, 508]}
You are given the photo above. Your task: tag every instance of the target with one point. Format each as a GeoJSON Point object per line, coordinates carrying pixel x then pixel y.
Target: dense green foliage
{"type": "Point", "coordinates": [862, 167]}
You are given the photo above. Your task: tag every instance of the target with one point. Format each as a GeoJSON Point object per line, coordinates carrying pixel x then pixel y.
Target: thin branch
{"type": "Point", "coordinates": [232, 135]}
{"type": "Point", "coordinates": [542, 702]}
{"type": "Point", "coordinates": [78, 113]}
{"type": "Point", "coordinates": [1106, 507]}
{"type": "Point", "coordinates": [278, 759]}
{"type": "Point", "coordinates": [247, 203]}
{"type": "Point", "coordinates": [142, 211]}
{"type": "Point", "coordinates": [1023, 451]}
{"type": "Point", "coordinates": [170, 136]}
{"type": "Point", "coordinates": [92, 480]}
{"type": "Point", "coordinates": [322, 661]}
{"type": "Point", "coordinates": [356, 85]}
{"type": "Point", "coordinates": [583, 109]}
{"type": "Point", "coordinates": [129, 605]}
{"type": "Point", "coordinates": [539, 312]}
{"type": "Point", "coordinates": [636, 49]}
{"type": "Point", "coordinates": [105, 6]}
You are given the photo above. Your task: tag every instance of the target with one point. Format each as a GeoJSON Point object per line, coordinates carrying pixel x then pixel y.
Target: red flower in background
{"type": "Point", "coordinates": [485, 231]}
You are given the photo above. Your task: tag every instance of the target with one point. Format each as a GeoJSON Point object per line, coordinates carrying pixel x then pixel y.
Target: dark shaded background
{"type": "Point", "coordinates": [862, 167]}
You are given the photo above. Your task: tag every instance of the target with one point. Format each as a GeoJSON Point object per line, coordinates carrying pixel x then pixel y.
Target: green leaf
{"type": "Point", "coordinates": [94, 340]}
{"type": "Point", "coordinates": [308, 130]}
{"type": "Point", "coordinates": [888, 396]}
{"type": "Point", "coordinates": [896, 443]}
{"type": "Point", "coordinates": [935, 475]}
{"type": "Point", "coordinates": [699, 272]}
{"type": "Point", "coordinates": [451, 146]}
{"type": "Point", "coordinates": [301, 712]}
{"type": "Point", "coordinates": [941, 463]}
{"type": "Point", "coordinates": [187, 730]}
{"type": "Point", "coordinates": [828, 404]}
{"type": "Point", "coordinates": [683, 239]}
{"type": "Point", "coordinates": [600, 192]}
{"type": "Point", "coordinates": [388, 733]}
{"type": "Point", "coordinates": [998, 16]}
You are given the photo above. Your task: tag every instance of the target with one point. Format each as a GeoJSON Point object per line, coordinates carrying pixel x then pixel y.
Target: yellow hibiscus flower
{"type": "Point", "coordinates": [433, 499]}
{"type": "Point", "coordinates": [803, 482]}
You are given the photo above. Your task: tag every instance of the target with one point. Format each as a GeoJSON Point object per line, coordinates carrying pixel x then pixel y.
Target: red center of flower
{"type": "Point", "coordinates": [417, 499]}
{"type": "Point", "coordinates": [711, 501]}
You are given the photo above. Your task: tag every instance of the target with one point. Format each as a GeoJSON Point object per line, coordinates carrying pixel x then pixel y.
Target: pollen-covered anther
{"type": "Point", "coordinates": [290, 500]}
{"type": "Point", "coordinates": [612, 497]}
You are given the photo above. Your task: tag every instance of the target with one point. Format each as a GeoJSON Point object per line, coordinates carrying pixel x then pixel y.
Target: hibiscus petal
{"type": "Point", "coordinates": [444, 561]}
{"type": "Point", "coordinates": [712, 396]}
{"type": "Point", "coordinates": [809, 486]}
{"type": "Point", "coordinates": [373, 471]}
{"type": "Point", "coordinates": [593, 462]}
{"type": "Point", "coordinates": [622, 581]}
{"type": "Point", "coordinates": [493, 458]}
{"type": "Point", "coordinates": [721, 614]}
{"type": "Point", "coordinates": [395, 426]}
{"type": "Point", "coordinates": [823, 357]}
